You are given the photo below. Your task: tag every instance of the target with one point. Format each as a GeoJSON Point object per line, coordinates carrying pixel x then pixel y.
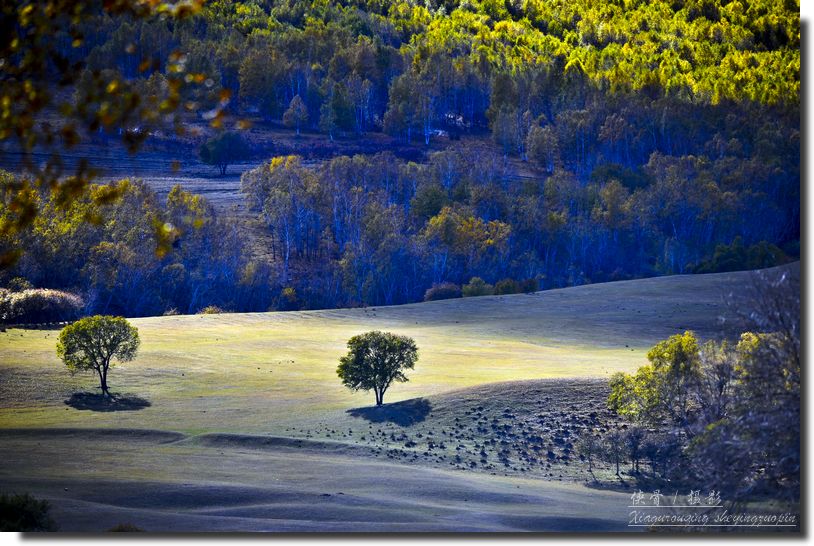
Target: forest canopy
{"type": "Point", "coordinates": [527, 144]}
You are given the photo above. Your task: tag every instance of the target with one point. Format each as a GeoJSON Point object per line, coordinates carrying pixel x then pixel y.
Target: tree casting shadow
{"type": "Point", "coordinates": [96, 402]}
{"type": "Point", "coordinates": [406, 413]}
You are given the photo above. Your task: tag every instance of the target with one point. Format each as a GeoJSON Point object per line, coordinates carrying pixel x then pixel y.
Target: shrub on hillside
{"type": "Point", "coordinates": [511, 286]}
{"type": "Point", "coordinates": [507, 286]}
{"type": "Point", "coordinates": [39, 305]}
{"type": "Point", "coordinates": [210, 310]}
{"type": "Point", "coordinates": [24, 513]}
{"type": "Point", "coordinates": [18, 284]}
{"type": "Point", "coordinates": [528, 286]}
{"type": "Point", "coordinates": [477, 287]}
{"type": "Point", "coordinates": [738, 257]}
{"type": "Point", "coordinates": [289, 300]}
{"type": "Point", "coordinates": [443, 291]}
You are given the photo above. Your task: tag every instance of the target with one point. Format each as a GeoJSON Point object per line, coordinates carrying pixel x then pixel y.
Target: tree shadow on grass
{"type": "Point", "coordinates": [91, 401]}
{"type": "Point", "coordinates": [619, 484]}
{"type": "Point", "coordinates": [406, 413]}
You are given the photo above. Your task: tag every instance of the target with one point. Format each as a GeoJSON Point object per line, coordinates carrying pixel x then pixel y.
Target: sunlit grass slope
{"type": "Point", "coordinates": [260, 373]}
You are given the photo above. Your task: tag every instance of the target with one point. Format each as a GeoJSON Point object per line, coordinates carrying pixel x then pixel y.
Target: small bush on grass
{"type": "Point", "coordinates": [443, 291]}
{"type": "Point", "coordinates": [507, 286]}
{"type": "Point", "coordinates": [210, 310]}
{"type": "Point", "coordinates": [39, 305]}
{"type": "Point", "coordinates": [511, 286]}
{"type": "Point", "coordinates": [477, 287]}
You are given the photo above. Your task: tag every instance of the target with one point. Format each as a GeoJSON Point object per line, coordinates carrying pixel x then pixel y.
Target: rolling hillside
{"type": "Point", "coordinates": [238, 422]}
{"type": "Point", "coordinates": [263, 372]}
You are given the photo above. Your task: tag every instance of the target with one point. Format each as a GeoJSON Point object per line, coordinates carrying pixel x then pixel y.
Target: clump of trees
{"type": "Point", "coordinates": [736, 256]}
{"type": "Point", "coordinates": [375, 360]}
{"type": "Point", "coordinates": [541, 76]}
{"type": "Point", "coordinates": [95, 344]}
{"type": "Point", "coordinates": [726, 413]}
{"type": "Point", "coordinates": [375, 230]}
{"type": "Point", "coordinates": [72, 73]}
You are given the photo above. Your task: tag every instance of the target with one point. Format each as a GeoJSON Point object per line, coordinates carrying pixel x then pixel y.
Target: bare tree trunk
{"type": "Point", "coordinates": [103, 382]}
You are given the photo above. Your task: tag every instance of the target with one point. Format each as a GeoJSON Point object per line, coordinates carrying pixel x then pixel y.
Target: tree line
{"type": "Point", "coordinates": [373, 230]}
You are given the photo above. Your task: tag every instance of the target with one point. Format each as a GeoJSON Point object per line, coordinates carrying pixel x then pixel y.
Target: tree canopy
{"type": "Point", "coordinates": [224, 149]}
{"type": "Point", "coordinates": [95, 343]}
{"type": "Point", "coordinates": [375, 360]}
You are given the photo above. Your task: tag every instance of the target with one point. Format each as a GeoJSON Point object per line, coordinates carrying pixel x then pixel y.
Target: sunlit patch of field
{"type": "Point", "coordinates": [265, 372]}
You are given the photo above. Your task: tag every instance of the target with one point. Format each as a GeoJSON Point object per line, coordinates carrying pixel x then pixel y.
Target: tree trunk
{"type": "Point", "coordinates": [103, 382]}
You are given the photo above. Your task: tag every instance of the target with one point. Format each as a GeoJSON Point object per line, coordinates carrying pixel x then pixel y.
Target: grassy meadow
{"type": "Point", "coordinates": [238, 422]}
{"type": "Point", "coordinates": [263, 372]}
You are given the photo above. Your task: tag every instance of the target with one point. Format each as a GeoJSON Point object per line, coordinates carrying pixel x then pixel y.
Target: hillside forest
{"type": "Point", "coordinates": [519, 145]}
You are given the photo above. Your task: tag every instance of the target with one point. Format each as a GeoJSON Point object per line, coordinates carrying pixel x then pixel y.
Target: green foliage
{"type": "Point", "coordinates": [210, 310]}
{"type": "Point", "coordinates": [730, 414]}
{"type": "Point", "coordinates": [661, 391]}
{"type": "Point", "coordinates": [543, 147]}
{"type": "Point", "coordinates": [224, 149]}
{"type": "Point", "coordinates": [442, 291]}
{"type": "Point", "coordinates": [477, 287]}
{"type": "Point", "coordinates": [428, 201]}
{"type": "Point", "coordinates": [18, 284]}
{"type": "Point", "coordinates": [737, 257]}
{"type": "Point", "coordinates": [288, 300]}
{"type": "Point", "coordinates": [24, 514]}
{"type": "Point", "coordinates": [375, 360]}
{"type": "Point", "coordinates": [507, 286]}
{"type": "Point", "coordinates": [94, 343]}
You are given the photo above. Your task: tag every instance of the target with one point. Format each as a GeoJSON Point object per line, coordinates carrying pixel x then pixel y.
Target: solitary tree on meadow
{"type": "Point", "coordinates": [375, 360]}
{"type": "Point", "coordinates": [223, 150]}
{"type": "Point", "coordinates": [93, 343]}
